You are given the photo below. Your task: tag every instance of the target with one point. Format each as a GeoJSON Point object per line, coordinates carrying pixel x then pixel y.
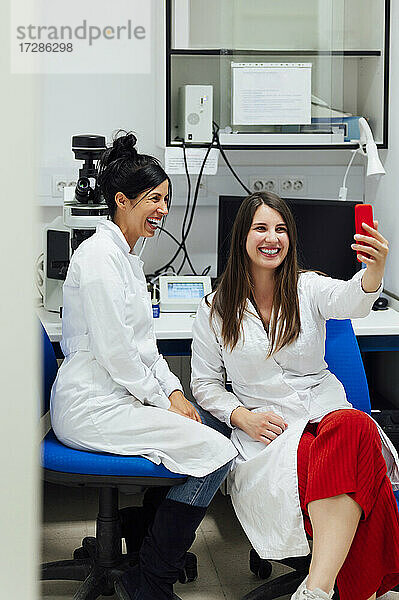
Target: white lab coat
{"type": "Point", "coordinates": [294, 383]}
{"type": "Point", "coordinates": [111, 391]}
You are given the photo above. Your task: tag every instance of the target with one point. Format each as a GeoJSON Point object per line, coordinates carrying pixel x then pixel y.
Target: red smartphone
{"type": "Point", "coordinates": [363, 214]}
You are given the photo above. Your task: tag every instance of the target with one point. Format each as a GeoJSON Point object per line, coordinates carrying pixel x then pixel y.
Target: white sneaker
{"type": "Point", "coordinates": [303, 593]}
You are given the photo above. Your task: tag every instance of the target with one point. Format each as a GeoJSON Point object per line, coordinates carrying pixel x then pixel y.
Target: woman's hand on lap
{"type": "Point", "coordinates": [180, 405]}
{"type": "Point", "coordinates": [262, 427]}
{"type": "Point", "coordinates": [373, 255]}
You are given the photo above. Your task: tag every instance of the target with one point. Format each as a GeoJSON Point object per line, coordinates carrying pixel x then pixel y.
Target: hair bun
{"type": "Point", "coordinates": [123, 147]}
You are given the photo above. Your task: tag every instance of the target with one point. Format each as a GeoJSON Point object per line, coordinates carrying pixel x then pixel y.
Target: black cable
{"type": "Point", "coordinates": [177, 242]}
{"type": "Point", "coordinates": [226, 160]}
{"type": "Point", "coordinates": [197, 185]}
{"type": "Point", "coordinates": [182, 263]}
{"type": "Point", "coordinates": [182, 243]}
{"type": "Point", "coordinates": [196, 192]}
{"type": "Point", "coordinates": [222, 152]}
{"type": "Point", "coordinates": [188, 190]}
{"type": "Point", "coordinates": [170, 235]}
{"type": "Point", "coordinates": [186, 213]}
{"type": "Point", "coordinates": [185, 232]}
{"type": "Point", "coordinates": [186, 256]}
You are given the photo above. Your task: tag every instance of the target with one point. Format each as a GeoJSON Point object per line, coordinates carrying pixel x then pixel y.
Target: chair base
{"type": "Point", "coordinates": [99, 561]}
{"type": "Point", "coordinates": [284, 585]}
{"type": "Point", "coordinates": [280, 586]}
{"type": "Point", "coordinates": [97, 580]}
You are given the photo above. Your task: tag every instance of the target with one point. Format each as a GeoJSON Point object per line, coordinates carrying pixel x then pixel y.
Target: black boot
{"type": "Point", "coordinates": [163, 551]}
{"type": "Point", "coordinates": [135, 520]}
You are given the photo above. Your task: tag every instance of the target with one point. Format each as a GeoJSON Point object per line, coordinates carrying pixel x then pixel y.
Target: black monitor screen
{"type": "Point", "coordinates": [325, 234]}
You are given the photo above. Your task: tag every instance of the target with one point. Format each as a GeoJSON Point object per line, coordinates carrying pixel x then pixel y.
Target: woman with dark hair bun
{"type": "Point", "coordinates": [114, 392]}
{"type": "Point", "coordinates": [308, 463]}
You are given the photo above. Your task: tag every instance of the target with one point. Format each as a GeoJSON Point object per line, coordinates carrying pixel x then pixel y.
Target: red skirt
{"type": "Point", "coordinates": [342, 455]}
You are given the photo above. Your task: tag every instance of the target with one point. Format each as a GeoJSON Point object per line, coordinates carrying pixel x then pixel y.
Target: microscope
{"type": "Point", "coordinates": [83, 208]}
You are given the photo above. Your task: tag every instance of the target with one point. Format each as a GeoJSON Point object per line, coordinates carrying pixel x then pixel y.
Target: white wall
{"type": "Point", "coordinates": [100, 104]}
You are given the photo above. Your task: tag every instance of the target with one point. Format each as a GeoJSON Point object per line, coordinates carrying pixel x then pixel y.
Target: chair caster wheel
{"type": "Point", "coordinates": [260, 567]}
{"type": "Point", "coordinates": [80, 553]}
{"type": "Point", "coordinates": [90, 545]}
{"type": "Point", "coordinates": [190, 571]}
{"type": "Point", "coordinates": [87, 549]}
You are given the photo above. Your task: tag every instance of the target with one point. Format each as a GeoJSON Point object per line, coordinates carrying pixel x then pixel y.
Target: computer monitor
{"type": "Point", "coordinates": [325, 234]}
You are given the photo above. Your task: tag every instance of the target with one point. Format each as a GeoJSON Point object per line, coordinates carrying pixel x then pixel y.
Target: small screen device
{"type": "Point", "coordinates": [183, 294]}
{"type": "Point", "coordinates": [363, 214]}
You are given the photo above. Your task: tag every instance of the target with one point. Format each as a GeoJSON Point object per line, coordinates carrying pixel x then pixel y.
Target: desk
{"type": "Point", "coordinates": [379, 331]}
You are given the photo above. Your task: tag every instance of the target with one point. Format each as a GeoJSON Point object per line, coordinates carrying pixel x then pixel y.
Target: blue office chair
{"type": "Point", "coordinates": [99, 560]}
{"type": "Point", "coordinates": [344, 360]}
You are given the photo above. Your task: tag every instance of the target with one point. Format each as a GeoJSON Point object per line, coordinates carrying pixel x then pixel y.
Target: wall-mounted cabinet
{"type": "Point", "coordinates": [346, 42]}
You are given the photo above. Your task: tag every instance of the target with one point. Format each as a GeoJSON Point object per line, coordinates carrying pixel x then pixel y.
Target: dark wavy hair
{"type": "Point", "coordinates": [236, 285]}
{"type": "Point", "coordinates": [122, 169]}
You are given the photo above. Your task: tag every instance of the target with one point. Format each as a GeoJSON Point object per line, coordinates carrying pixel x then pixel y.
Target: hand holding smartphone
{"type": "Point", "coordinates": [371, 247]}
{"type": "Point", "coordinates": [363, 214]}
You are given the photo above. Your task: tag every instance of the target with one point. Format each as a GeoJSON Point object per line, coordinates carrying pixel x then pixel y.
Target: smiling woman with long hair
{"type": "Point", "coordinates": [308, 462]}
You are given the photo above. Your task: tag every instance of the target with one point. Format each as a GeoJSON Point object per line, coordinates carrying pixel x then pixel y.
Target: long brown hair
{"type": "Point", "coordinates": [236, 286]}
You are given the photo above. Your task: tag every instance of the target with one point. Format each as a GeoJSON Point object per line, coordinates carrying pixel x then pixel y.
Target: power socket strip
{"type": "Point", "coordinates": [287, 185]}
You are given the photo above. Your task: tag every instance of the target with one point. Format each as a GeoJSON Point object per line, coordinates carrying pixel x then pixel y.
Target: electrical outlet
{"type": "Point", "coordinates": [58, 184]}
{"type": "Point", "coordinates": [285, 185]}
{"type": "Point", "coordinates": [298, 184]}
{"type": "Point", "coordinates": [263, 184]}
{"type": "Point", "coordinates": [294, 185]}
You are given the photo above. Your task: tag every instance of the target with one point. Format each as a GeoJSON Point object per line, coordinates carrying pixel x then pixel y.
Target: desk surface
{"type": "Point", "coordinates": [178, 326]}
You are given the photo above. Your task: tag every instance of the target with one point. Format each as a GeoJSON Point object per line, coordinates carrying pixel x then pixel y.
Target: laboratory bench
{"type": "Point", "coordinates": [379, 331]}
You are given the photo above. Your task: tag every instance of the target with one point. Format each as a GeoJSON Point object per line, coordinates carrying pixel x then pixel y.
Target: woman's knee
{"type": "Point", "coordinates": [352, 420]}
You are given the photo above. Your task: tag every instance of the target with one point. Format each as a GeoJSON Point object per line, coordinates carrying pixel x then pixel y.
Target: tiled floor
{"type": "Point", "coordinates": [221, 546]}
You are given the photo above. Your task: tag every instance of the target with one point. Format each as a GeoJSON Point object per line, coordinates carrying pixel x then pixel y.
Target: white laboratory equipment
{"type": "Point", "coordinates": [196, 113]}
{"type": "Point", "coordinates": [183, 293]}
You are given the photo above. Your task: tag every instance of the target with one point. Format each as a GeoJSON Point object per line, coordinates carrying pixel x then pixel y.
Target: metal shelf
{"type": "Point", "coordinates": [230, 52]}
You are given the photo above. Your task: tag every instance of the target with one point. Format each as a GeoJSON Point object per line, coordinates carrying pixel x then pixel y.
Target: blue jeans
{"type": "Point", "coordinates": [199, 491]}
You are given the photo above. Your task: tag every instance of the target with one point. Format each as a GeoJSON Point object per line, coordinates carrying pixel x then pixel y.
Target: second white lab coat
{"type": "Point", "coordinates": [111, 391]}
{"type": "Point", "coordinates": [294, 383]}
